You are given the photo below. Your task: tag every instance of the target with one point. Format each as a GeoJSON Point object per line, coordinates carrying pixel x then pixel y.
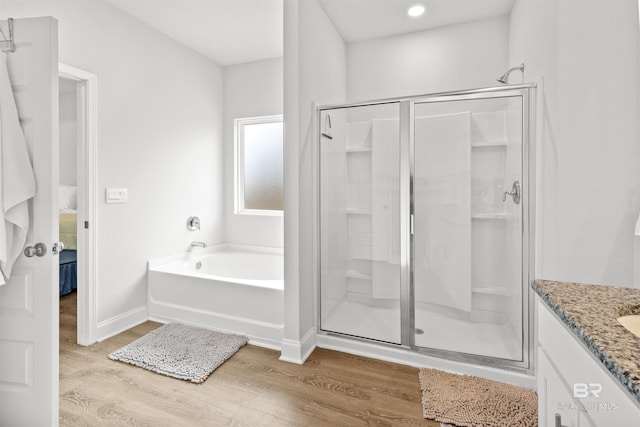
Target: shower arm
{"type": "Point", "coordinates": [519, 67]}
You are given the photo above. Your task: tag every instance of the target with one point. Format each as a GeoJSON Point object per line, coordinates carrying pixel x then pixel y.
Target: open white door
{"type": "Point", "coordinates": [29, 302]}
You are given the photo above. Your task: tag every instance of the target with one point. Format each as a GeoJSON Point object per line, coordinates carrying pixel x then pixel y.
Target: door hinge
{"type": "Point", "coordinates": [86, 224]}
{"type": "Point", "coordinates": [411, 229]}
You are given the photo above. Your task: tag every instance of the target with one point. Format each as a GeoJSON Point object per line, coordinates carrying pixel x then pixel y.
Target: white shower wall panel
{"type": "Point", "coordinates": [442, 200]}
{"type": "Point", "coordinates": [333, 164]}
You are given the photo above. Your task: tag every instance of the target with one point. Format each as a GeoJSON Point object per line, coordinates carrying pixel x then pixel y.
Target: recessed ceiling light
{"type": "Point", "coordinates": [416, 10]}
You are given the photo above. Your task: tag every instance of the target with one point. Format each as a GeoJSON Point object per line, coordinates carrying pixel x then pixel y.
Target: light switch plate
{"type": "Point", "coordinates": [116, 195]}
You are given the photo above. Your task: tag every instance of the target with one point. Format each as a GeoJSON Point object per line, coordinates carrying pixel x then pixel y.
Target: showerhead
{"type": "Point", "coordinates": [505, 77]}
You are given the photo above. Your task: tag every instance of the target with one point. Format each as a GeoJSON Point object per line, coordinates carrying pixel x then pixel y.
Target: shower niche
{"type": "Point", "coordinates": [424, 223]}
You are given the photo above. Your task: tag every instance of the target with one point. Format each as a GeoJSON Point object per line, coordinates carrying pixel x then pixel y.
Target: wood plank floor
{"type": "Point", "coordinates": [253, 388]}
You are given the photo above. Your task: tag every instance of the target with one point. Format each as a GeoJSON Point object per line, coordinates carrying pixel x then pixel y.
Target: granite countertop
{"type": "Point", "coordinates": [590, 311]}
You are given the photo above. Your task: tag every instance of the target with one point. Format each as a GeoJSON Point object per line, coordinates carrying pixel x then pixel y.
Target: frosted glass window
{"type": "Point", "coordinates": [259, 166]}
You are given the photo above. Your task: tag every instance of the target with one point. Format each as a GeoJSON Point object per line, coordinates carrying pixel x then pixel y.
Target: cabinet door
{"type": "Point", "coordinates": [554, 396]}
{"type": "Point", "coordinates": [586, 421]}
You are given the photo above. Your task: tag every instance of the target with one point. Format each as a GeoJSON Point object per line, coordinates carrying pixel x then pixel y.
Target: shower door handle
{"type": "Point", "coordinates": [515, 193]}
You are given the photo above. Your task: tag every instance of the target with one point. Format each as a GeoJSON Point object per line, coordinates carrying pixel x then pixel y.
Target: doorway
{"type": "Point", "coordinates": [78, 194]}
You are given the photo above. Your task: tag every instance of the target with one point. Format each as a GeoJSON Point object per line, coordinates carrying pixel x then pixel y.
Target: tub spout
{"type": "Point", "coordinates": [199, 244]}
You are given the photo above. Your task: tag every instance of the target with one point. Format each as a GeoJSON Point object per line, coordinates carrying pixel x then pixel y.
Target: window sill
{"type": "Point", "coordinates": [259, 212]}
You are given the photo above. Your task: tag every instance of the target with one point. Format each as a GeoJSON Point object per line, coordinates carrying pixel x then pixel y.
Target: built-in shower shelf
{"type": "Point", "coordinates": [352, 211]}
{"type": "Point", "coordinates": [358, 149]}
{"type": "Point", "coordinates": [360, 257]}
{"type": "Point", "coordinates": [352, 274]}
{"type": "Point", "coordinates": [489, 216]}
{"type": "Point", "coordinates": [490, 290]}
{"type": "Point", "coordinates": [488, 144]}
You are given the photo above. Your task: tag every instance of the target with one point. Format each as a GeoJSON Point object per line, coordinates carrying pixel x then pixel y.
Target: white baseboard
{"type": "Point", "coordinates": [298, 351]}
{"type": "Point", "coordinates": [122, 322]}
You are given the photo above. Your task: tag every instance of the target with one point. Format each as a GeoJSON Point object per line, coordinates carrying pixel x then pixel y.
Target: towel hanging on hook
{"type": "Point", "coordinates": [7, 44]}
{"type": "Point", "coordinates": [17, 178]}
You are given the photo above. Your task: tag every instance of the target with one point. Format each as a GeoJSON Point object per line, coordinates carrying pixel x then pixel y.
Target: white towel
{"type": "Point", "coordinates": [17, 182]}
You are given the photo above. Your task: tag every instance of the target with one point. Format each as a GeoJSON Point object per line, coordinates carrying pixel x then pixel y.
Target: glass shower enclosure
{"type": "Point", "coordinates": [426, 213]}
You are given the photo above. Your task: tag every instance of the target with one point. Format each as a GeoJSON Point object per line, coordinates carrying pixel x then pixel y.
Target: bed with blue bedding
{"type": "Point", "coordinates": [68, 257]}
{"type": "Point", "coordinates": [68, 272]}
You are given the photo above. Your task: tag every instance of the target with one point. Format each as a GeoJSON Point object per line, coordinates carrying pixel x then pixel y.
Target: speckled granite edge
{"type": "Point", "coordinates": [624, 368]}
{"type": "Point", "coordinates": [627, 310]}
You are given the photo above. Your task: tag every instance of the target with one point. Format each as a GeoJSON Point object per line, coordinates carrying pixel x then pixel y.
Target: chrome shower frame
{"type": "Point", "coordinates": [407, 140]}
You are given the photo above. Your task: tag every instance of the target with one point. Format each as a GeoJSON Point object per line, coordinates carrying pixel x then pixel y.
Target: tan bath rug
{"type": "Point", "coordinates": [468, 401]}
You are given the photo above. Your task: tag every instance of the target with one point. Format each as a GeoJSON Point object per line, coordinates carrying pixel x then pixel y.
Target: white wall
{"type": "Point", "coordinates": [68, 133]}
{"type": "Point", "coordinates": [319, 67]}
{"type": "Point", "coordinates": [159, 135]}
{"type": "Point", "coordinates": [250, 90]}
{"type": "Point", "coordinates": [454, 57]}
{"type": "Point", "coordinates": [586, 51]}
{"type": "Point", "coordinates": [314, 70]}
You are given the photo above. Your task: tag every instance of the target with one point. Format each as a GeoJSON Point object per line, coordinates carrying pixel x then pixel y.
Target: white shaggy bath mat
{"type": "Point", "coordinates": [180, 351]}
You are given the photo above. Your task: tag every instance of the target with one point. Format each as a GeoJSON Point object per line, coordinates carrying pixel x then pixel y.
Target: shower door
{"type": "Point", "coordinates": [470, 202]}
{"type": "Point", "coordinates": [424, 223]}
{"type": "Point", "coordinates": [360, 257]}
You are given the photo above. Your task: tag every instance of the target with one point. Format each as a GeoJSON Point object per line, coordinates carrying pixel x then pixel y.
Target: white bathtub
{"type": "Point", "coordinates": [230, 288]}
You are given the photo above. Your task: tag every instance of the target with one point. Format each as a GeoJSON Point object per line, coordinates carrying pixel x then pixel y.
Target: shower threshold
{"type": "Point", "coordinates": [436, 330]}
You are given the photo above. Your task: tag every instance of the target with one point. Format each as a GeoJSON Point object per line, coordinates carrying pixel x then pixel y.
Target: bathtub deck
{"type": "Point", "coordinates": [253, 388]}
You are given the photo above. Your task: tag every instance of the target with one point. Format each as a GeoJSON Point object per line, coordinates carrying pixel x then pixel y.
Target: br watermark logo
{"type": "Point", "coordinates": [584, 390]}
{"type": "Point", "coordinates": [590, 392]}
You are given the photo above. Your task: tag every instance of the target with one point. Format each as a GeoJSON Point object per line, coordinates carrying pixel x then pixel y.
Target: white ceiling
{"type": "Point", "coordinates": [238, 31]}
{"type": "Point", "coordinates": [226, 31]}
{"type": "Point", "coordinates": [358, 20]}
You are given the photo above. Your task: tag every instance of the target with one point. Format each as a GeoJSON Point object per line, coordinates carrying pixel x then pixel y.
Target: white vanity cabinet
{"type": "Point", "coordinates": [574, 388]}
{"type": "Point", "coordinates": [555, 399]}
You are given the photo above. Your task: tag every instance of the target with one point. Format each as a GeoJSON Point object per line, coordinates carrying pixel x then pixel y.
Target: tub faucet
{"type": "Point", "coordinates": [200, 244]}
